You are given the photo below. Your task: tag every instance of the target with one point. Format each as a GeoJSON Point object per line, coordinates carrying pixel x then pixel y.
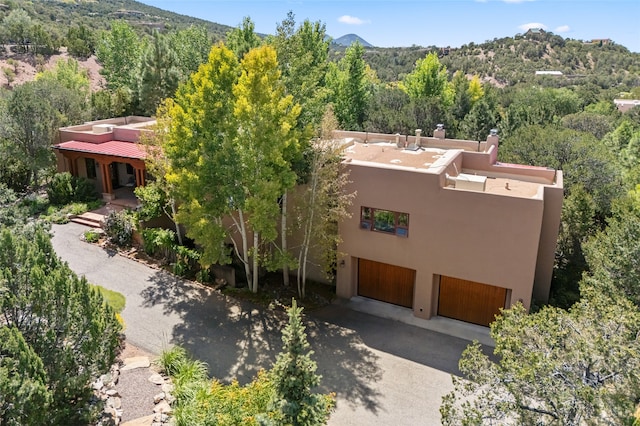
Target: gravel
{"type": "Point", "coordinates": [135, 389]}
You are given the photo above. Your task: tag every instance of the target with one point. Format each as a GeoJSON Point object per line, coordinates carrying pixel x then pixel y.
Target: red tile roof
{"type": "Point", "coordinates": [113, 148]}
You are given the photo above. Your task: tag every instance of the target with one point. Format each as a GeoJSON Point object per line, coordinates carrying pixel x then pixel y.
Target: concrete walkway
{"type": "Point", "coordinates": [382, 371]}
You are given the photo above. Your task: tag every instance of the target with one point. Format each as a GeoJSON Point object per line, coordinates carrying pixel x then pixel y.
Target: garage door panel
{"type": "Point", "coordinates": [470, 301]}
{"type": "Point", "coordinates": [388, 283]}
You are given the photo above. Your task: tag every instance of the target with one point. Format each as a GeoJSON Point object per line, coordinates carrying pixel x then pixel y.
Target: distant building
{"type": "Point", "coordinates": [601, 41]}
{"type": "Point", "coordinates": [625, 105]}
{"type": "Point", "coordinates": [558, 73]}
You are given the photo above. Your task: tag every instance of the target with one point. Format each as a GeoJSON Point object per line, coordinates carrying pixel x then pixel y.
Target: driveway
{"type": "Point", "coordinates": [382, 371]}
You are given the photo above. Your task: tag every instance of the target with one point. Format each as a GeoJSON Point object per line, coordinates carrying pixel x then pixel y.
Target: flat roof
{"type": "Point", "coordinates": [389, 154]}
{"type": "Point", "coordinates": [431, 160]}
{"type": "Point", "coordinates": [112, 148]}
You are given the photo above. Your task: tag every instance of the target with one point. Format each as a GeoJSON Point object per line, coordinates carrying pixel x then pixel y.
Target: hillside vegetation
{"type": "Point", "coordinates": [59, 15]}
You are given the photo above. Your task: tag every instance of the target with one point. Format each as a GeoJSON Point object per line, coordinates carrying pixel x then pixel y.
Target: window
{"type": "Point", "coordinates": [90, 164]}
{"type": "Point", "coordinates": [385, 221]}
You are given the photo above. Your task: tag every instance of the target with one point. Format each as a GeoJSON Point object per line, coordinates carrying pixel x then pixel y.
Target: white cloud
{"type": "Point", "coordinates": [530, 25]}
{"type": "Point", "coordinates": [352, 20]}
{"type": "Point", "coordinates": [562, 29]}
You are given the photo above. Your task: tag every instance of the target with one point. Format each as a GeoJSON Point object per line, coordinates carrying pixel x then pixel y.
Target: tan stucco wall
{"type": "Point", "coordinates": [475, 236]}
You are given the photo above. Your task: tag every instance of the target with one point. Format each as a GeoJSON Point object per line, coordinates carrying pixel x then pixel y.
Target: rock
{"type": "Point", "coordinates": [114, 402]}
{"type": "Point", "coordinates": [136, 362]}
{"type": "Point", "coordinates": [112, 392]}
{"type": "Point", "coordinates": [159, 397]}
{"type": "Point", "coordinates": [106, 378]}
{"type": "Point", "coordinates": [169, 398]}
{"type": "Point", "coordinates": [162, 407]}
{"type": "Point", "coordinates": [110, 411]}
{"type": "Point", "coordinates": [157, 379]}
{"type": "Point", "coordinates": [168, 387]}
{"type": "Point", "coordinates": [115, 376]}
{"type": "Point", "coordinates": [97, 385]}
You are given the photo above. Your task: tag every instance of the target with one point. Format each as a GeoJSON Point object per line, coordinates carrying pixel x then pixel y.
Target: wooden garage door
{"type": "Point", "coordinates": [388, 283]}
{"type": "Point", "coordinates": [470, 301]}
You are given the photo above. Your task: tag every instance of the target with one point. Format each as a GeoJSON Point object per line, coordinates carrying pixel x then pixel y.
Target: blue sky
{"type": "Point", "coordinates": [431, 22]}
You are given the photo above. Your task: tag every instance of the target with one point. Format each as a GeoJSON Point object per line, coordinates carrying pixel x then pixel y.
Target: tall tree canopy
{"type": "Point", "coordinates": [429, 79]}
{"type": "Point", "coordinates": [159, 74]}
{"type": "Point", "coordinates": [119, 50]}
{"type": "Point", "coordinates": [231, 125]}
{"type": "Point", "coordinates": [351, 88]}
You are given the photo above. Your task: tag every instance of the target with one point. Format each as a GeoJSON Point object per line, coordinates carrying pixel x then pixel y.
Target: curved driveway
{"type": "Point", "coordinates": [382, 371]}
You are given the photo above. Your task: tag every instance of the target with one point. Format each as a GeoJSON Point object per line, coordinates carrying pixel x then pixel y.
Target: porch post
{"type": "Point", "coordinates": [140, 177]}
{"type": "Point", "coordinates": [106, 178]}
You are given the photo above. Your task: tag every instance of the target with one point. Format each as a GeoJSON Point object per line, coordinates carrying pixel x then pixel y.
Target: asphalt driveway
{"type": "Point", "coordinates": [382, 371]}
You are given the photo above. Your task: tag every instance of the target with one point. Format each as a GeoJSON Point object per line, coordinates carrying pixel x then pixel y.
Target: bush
{"type": "Point", "coordinates": [64, 189]}
{"type": "Point", "coordinates": [159, 241]}
{"type": "Point", "coordinates": [118, 228]}
{"type": "Point", "coordinates": [91, 236]}
{"type": "Point", "coordinates": [186, 260]}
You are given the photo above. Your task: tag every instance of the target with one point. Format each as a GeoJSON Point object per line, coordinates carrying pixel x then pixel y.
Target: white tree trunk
{"type": "Point", "coordinates": [283, 243]}
{"type": "Point", "coordinates": [173, 217]}
{"type": "Point", "coordinates": [256, 242]}
{"type": "Point", "coordinates": [242, 228]}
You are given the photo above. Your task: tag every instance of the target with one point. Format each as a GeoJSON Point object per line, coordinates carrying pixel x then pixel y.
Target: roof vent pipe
{"type": "Point", "coordinates": [398, 144]}
{"type": "Point", "coordinates": [418, 133]}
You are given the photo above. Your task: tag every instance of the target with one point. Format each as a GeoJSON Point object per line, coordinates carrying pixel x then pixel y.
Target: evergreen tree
{"type": "Point", "coordinates": [294, 375]}
{"type": "Point", "coordinates": [63, 320]}
{"type": "Point", "coordinates": [351, 89]}
{"type": "Point", "coordinates": [243, 38]}
{"type": "Point", "coordinates": [24, 397]}
{"type": "Point", "coordinates": [159, 74]}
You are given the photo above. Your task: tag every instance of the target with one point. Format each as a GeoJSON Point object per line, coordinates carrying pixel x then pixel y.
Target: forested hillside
{"type": "Point", "coordinates": [57, 16]}
{"type": "Point", "coordinates": [511, 60]}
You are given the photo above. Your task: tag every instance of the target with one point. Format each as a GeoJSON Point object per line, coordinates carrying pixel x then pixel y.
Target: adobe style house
{"type": "Point", "coordinates": [106, 152]}
{"type": "Point", "coordinates": [441, 227]}
{"type": "Point", "coordinates": [437, 225]}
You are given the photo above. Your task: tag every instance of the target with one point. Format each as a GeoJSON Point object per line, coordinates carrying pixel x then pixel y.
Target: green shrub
{"type": "Point", "coordinates": [159, 241]}
{"type": "Point", "coordinates": [64, 189]}
{"type": "Point", "coordinates": [119, 228]}
{"type": "Point", "coordinates": [91, 236]}
{"type": "Point", "coordinates": [186, 261]}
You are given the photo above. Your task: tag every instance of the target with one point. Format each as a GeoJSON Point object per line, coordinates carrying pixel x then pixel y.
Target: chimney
{"type": "Point", "coordinates": [438, 133]}
{"type": "Point", "coordinates": [493, 138]}
{"type": "Point", "coordinates": [418, 133]}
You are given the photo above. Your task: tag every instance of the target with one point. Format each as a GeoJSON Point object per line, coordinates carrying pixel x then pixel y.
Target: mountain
{"type": "Point", "coordinates": [347, 39]}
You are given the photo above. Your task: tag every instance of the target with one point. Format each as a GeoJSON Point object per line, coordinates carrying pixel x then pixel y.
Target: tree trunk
{"type": "Point", "coordinates": [173, 217]}
{"type": "Point", "coordinates": [256, 241]}
{"type": "Point", "coordinates": [245, 250]}
{"type": "Point", "coordinates": [283, 236]}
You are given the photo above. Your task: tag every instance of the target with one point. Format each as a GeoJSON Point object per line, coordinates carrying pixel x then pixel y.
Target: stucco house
{"type": "Point", "coordinates": [441, 227]}
{"type": "Point", "coordinates": [106, 152]}
{"type": "Point", "coordinates": [438, 225]}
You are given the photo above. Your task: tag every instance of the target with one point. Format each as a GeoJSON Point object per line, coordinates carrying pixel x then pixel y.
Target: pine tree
{"type": "Point", "coordinates": [294, 375]}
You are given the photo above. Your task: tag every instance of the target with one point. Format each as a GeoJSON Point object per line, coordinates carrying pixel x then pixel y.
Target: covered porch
{"type": "Point", "coordinates": [115, 167]}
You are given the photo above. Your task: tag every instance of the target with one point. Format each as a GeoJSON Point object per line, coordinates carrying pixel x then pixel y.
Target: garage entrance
{"type": "Point", "coordinates": [470, 301]}
{"type": "Point", "coordinates": [387, 283]}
